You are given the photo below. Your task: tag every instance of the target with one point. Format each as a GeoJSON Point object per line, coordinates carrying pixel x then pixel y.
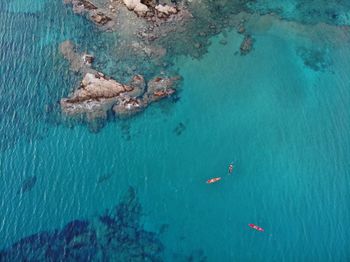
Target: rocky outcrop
{"type": "Point", "coordinates": [95, 96]}
{"type": "Point", "coordinates": [157, 88]}
{"type": "Point", "coordinates": [99, 94]}
{"type": "Point", "coordinates": [160, 87]}
{"type": "Point", "coordinates": [98, 86]}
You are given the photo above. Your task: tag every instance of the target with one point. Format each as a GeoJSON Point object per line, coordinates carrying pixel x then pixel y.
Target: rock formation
{"type": "Point", "coordinates": [246, 45]}
{"type": "Point", "coordinates": [99, 94]}
{"type": "Point", "coordinates": [159, 88]}
{"type": "Point", "coordinates": [95, 96]}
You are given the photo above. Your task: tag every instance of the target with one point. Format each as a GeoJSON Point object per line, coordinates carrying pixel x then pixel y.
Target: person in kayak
{"type": "Point", "coordinates": [230, 168]}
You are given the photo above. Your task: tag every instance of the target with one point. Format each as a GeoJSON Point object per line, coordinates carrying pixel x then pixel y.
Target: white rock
{"type": "Point", "coordinates": [166, 9]}
{"type": "Point", "coordinates": [136, 5]}
{"type": "Point", "coordinates": [141, 8]}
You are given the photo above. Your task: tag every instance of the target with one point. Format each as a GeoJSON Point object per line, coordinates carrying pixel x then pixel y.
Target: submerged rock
{"type": "Point", "coordinates": [79, 62]}
{"type": "Point", "coordinates": [179, 129]}
{"type": "Point", "coordinates": [104, 178]}
{"type": "Point", "coordinates": [246, 45]}
{"type": "Point", "coordinates": [315, 59]}
{"type": "Point", "coordinates": [98, 86]}
{"type": "Point", "coordinates": [117, 235]}
{"type": "Point", "coordinates": [241, 29]}
{"type": "Point", "coordinates": [27, 185]}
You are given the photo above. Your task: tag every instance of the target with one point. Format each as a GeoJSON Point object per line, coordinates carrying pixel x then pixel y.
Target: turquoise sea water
{"type": "Point", "coordinates": [281, 113]}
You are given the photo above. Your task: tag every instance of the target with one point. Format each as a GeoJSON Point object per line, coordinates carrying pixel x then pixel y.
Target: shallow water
{"type": "Point", "coordinates": [279, 113]}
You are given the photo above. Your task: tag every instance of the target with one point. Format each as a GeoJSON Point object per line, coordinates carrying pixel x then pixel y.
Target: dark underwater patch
{"type": "Point", "coordinates": [315, 59]}
{"type": "Point", "coordinates": [104, 178]}
{"type": "Point", "coordinates": [27, 185]}
{"type": "Point", "coordinates": [179, 128]}
{"type": "Point", "coordinates": [164, 228]}
{"type": "Point", "coordinates": [117, 235]}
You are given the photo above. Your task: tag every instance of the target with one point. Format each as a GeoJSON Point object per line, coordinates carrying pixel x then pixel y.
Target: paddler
{"type": "Point", "coordinates": [230, 168]}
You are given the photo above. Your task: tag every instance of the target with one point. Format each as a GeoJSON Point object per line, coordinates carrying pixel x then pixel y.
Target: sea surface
{"type": "Point", "coordinates": [280, 114]}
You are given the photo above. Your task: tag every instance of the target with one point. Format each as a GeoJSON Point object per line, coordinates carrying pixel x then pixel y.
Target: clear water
{"type": "Point", "coordinates": [281, 114]}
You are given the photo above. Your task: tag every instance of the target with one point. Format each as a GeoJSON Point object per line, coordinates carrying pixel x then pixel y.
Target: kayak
{"type": "Point", "coordinates": [256, 227]}
{"type": "Point", "coordinates": [213, 180]}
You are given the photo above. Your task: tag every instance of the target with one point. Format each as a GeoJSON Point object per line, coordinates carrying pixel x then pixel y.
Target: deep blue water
{"type": "Point", "coordinates": [281, 113]}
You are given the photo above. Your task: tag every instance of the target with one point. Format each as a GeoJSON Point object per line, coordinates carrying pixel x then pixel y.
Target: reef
{"type": "Point", "coordinates": [117, 235]}
{"type": "Point", "coordinates": [315, 59]}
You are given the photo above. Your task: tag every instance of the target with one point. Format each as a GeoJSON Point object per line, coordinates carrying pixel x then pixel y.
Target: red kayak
{"type": "Point", "coordinates": [213, 180]}
{"type": "Point", "coordinates": [256, 227]}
